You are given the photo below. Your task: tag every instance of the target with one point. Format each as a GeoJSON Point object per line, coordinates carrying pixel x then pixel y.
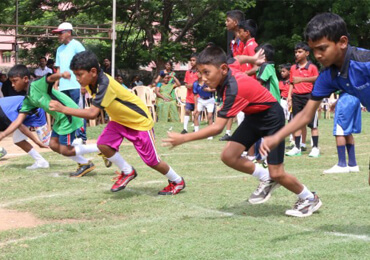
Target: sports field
{"type": "Point", "coordinates": [79, 218]}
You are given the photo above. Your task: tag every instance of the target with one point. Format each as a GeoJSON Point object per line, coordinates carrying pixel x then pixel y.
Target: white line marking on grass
{"type": "Point", "coordinates": [359, 237]}
{"type": "Point", "coordinates": [14, 241]}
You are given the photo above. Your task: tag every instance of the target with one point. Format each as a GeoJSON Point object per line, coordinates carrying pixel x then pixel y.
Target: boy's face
{"type": "Point", "coordinates": [168, 66]}
{"type": "Point", "coordinates": [243, 35]}
{"type": "Point", "coordinates": [119, 79]}
{"type": "Point", "coordinates": [231, 24]}
{"type": "Point", "coordinates": [301, 55]}
{"type": "Point", "coordinates": [284, 73]}
{"type": "Point", "coordinates": [213, 75]}
{"type": "Point", "coordinates": [193, 62]}
{"type": "Point", "coordinates": [20, 83]}
{"type": "Point", "coordinates": [328, 52]}
{"type": "Point", "coordinates": [85, 77]}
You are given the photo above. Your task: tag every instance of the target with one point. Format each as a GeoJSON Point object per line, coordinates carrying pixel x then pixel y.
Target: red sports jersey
{"type": "Point", "coordinates": [243, 93]}
{"type": "Point", "coordinates": [190, 77]}
{"type": "Point", "coordinates": [249, 50]}
{"type": "Point", "coordinates": [236, 47]}
{"type": "Point", "coordinates": [284, 88]}
{"type": "Point", "coordinates": [310, 70]}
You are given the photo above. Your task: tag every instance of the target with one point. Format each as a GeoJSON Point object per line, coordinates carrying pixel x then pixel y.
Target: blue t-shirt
{"type": "Point", "coordinates": [64, 56]}
{"type": "Point", "coordinates": [353, 78]}
{"type": "Point", "coordinates": [11, 106]}
{"type": "Point", "coordinates": [198, 89]}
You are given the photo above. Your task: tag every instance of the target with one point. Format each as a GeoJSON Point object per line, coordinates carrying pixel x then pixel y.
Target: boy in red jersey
{"type": "Point", "coordinates": [263, 116]}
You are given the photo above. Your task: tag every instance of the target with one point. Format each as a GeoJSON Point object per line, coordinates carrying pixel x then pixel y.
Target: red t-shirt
{"type": "Point", "coordinates": [243, 93]}
{"type": "Point", "coordinates": [236, 47]}
{"type": "Point", "coordinates": [190, 77]}
{"type": "Point", "coordinates": [284, 88]}
{"type": "Point", "coordinates": [310, 70]}
{"type": "Point", "coordinates": [249, 50]}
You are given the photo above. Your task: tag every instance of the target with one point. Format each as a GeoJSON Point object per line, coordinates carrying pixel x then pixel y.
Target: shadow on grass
{"type": "Point", "coordinates": [134, 192]}
{"type": "Point", "coordinates": [260, 210]}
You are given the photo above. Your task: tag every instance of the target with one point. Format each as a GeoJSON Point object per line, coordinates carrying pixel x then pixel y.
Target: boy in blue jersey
{"type": "Point", "coordinates": [347, 69]}
{"type": "Point", "coordinates": [9, 110]}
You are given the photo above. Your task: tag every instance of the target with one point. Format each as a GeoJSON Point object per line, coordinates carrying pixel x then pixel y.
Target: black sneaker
{"type": "Point", "coordinates": [226, 137]}
{"type": "Point", "coordinates": [83, 169]}
{"type": "Point", "coordinates": [184, 132]}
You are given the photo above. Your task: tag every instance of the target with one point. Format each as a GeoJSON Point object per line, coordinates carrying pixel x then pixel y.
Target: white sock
{"type": "Point", "coordinates": [173, 176]}
{"type": "Point", "coordinates": [86, 148]}
{"type": "Point", "coordinates": [261, 173]}
{"type": "Point", "coordinates": [36, 155]}
{"type": "Point", "coordinates": [122, 165]}
{"type": "Point", "coordinates": [251, 158]}
{"type": "Point", "coordinates": [305, 194]}
{"type": "Point", "coordinates": [196, 128]}
{"type": "Point", "coordinates": [228, 132]}
{"type": "Point", "coordinates": [303, 145]}
{"type": "Point", "coordinates": [78, 159]}
{"type": "Point", "coordinates": [186, 121]}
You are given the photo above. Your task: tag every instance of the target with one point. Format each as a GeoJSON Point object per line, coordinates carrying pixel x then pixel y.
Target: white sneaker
{"type": "Point", "coordinates": [210, 138]}
{"type": "Point", "coordinates": [354, 168]}
{"type": "Point", "coordinates": [38, 165]}
{"type": "Point", "coordinates": [294, 152]}
{"type": "Point", "coordinates": [337, 169]}
{"type": "Point", "coordinates": [2, 152]}
{"type": "Point", "coordinates": [305, 208]}
{"type": "Point", "coordinates": [315, 152]}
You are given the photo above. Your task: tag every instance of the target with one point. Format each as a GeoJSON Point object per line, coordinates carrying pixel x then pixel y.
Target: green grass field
{"type": "Point", "coordinates": [210, 219]}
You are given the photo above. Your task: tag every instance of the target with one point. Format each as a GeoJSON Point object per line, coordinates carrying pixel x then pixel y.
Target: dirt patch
{"type": "Point", "coordinates": [12, 219]}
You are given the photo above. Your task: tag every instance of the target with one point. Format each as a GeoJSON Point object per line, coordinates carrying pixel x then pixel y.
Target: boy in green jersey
{"type": "Point", "coordinates": [39, 94]}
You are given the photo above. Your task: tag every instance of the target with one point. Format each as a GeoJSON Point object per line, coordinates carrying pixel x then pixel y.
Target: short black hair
{"type": "Point", "coordinates": [43, 58]}
{"type": "Point", "coordinates": [328, 25]}
{"type": "Point", "coordinates": [209, 44]}
{"type": "Point", "coordinates": [249, 25]}
{"type": "Point", "coordinates": [269, 51]}
{"type": "Point", "coordinates": [236, 15]}
{"type": "Point", "coordinates": [194, 55]}
{"type": "Point", "coordinates": [213, 55]}
{"type": "Point", "coordinates": [50, 61]}
{"type": "Point", "coordinates": [85, 60]}
{"type": "Point", "coordinates": [19, 71]}
{"type": "Point", "coordinates": [285, 66]}
{"type": "Point", "coordinates": [302, 45]}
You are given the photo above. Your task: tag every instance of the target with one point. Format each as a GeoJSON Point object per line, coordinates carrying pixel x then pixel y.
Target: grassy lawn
{"type": "Point", "coordinates": [210, 219]}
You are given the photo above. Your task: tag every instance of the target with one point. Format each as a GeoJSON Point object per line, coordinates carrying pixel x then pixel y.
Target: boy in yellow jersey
{"type": "Point", "coordinates": [130, 119]}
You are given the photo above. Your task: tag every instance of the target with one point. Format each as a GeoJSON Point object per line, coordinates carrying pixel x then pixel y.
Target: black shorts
{"type": "Point", "coordinates": [299, 101]}
{"type": "Point", "coordinates": [259, 125]}
{"type": "Point", "coordinates": [4, 121]}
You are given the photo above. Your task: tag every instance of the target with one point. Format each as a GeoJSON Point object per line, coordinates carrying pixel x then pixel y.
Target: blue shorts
{"type": "Point", "coordinates": [189, 106]}
{"type": "Point", "coordinates": [347, 118]}
{"type": "Point", "coordinates": [64, 139]}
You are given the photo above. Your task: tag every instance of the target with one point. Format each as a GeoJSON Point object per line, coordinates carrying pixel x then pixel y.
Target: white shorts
{"type": "Point", "coordinates": [18, 136]}
{"type": "Point", "coordinates": [284, 105]}
{"type": "Point", "coordinates": [209, 104]}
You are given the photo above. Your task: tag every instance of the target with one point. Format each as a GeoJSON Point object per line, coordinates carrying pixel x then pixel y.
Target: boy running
{"type": "Point", "coordinates": [130, 119]}
{"type": "Point", "coordinates": [263, 116]}
{"type": "Point", "coordinates": [347, 69]}
{"type": "Point", "coordinates": [39, 94]}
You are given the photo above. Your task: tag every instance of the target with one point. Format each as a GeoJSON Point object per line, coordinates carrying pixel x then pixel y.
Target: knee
{"type": "Point", "coordinates": [227, 158]}
{"type": "Point", "coordinates": [54, 146]}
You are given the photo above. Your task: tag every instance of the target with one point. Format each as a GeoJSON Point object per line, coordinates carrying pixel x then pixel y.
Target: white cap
{"type": "Point", "coordinates": [63, 27]}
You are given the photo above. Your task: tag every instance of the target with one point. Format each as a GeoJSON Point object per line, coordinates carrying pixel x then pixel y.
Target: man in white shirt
{"type": "Point", "coordinates": [43, 69]}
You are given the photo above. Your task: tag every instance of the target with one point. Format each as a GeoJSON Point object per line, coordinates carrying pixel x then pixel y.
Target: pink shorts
{"type": "Point", "coordinates": [143, 141]}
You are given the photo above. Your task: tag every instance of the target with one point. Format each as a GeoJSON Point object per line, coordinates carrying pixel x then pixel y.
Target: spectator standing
{"type": "Point", "coordinates": [42, 70]}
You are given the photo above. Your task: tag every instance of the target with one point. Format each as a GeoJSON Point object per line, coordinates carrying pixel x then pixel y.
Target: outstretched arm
{"type": "Point", "coordinates": [56, 76]}
{"type": "Point", "coordinates": [29, 134]}
{"type": "Point", "coordinates": [301, 119]}
{"type": "Point", "coordinates": [13, 126]}
{"type": "Point", "coordinates": [257, 58]}
{"type": "Point", "coordinates": [90, 113]}
{"type": "Point", "coordinates": [175, 139]}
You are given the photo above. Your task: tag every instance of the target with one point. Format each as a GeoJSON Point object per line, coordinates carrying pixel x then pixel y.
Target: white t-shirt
{"type": "Point", "coordinates": [39, 72]}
